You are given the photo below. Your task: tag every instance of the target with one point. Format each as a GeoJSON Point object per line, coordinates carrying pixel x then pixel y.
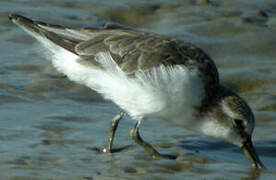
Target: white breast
{"type": "Point", "coordinates": [211, 128]}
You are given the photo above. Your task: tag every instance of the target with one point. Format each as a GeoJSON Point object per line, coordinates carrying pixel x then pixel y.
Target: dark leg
{"type": "Point", "coordinates": [112, 130]}
{"type": "Point", "coordinates": [137, 138]}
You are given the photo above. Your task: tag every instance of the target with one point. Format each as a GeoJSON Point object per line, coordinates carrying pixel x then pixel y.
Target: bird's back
{"type": "Point", "coordinates": [133, 51]}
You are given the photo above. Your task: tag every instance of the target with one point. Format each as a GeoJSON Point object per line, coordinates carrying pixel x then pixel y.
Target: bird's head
{"type": "Point", "coordinates": [232, 120]}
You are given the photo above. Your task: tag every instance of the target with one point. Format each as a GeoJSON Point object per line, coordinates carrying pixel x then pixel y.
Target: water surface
{"type": "Point", "coordinates": [50, 126]}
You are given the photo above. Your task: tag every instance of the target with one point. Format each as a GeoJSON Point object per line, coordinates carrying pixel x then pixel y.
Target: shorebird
{"type": "Point", "coordinates": [149, 76]}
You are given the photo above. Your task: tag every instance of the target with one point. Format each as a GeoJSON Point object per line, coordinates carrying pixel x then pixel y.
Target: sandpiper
{"type": "Point", "coordinates": [148, 76]}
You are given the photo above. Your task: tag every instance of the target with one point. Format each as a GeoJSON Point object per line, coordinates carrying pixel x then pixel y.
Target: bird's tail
{"type": "Point", "coordinates": [62, 36]}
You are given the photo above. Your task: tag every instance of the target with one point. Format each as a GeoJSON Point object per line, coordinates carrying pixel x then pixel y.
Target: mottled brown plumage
{"type": "Point", "coordinates": [132, 50]}
{"type": "Point", "coordinates": [203, 105]}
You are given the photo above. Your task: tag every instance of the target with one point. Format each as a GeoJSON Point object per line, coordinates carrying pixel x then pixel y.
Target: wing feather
{"type": "Point", "coordinates": [132, 51]}
{"type": "Point", "coordinates": [147, 94]}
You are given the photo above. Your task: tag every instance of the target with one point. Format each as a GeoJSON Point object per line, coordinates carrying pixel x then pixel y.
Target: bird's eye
{"type": "Point", "coordinates": [238, 123]}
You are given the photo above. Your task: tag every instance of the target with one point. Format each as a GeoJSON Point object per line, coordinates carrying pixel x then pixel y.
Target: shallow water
{"type": "Point", "coordinates": [49, 126]}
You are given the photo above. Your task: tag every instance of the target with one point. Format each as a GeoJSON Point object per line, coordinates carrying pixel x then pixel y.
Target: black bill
{"type": "Point", "coordinates": [251, 154]}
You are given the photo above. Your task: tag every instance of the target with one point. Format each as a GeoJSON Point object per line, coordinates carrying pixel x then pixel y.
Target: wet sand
{"type": "Point", "coordinates": [50, 126]}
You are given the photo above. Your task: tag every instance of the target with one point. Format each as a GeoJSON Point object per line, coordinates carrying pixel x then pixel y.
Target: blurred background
{"type": "Point", "coordinates": [50, 126]}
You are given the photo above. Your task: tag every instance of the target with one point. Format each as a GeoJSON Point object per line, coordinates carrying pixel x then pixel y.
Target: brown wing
{"type": "Point", "coordinates": [131, 50]}
{"type": "Point", "coordinates": [135, 50]}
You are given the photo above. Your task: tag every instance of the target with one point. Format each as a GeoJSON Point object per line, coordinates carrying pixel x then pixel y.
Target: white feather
{"type": "Point", "coordinates": [169, 93]}
{"type": "Point", "coordinates": [67, 32]}
{"type": "Point", "coordinates": [212, 128]}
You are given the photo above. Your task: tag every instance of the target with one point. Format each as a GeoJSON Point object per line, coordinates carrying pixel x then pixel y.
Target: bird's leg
{"type": "Point", "coordinates": [112, 130]}
{"type": "Point", "coordinates": [137, 138]}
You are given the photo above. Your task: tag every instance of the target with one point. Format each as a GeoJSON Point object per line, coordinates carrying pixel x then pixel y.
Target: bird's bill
{"type": "Point", "coordinates": [251, 154]}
